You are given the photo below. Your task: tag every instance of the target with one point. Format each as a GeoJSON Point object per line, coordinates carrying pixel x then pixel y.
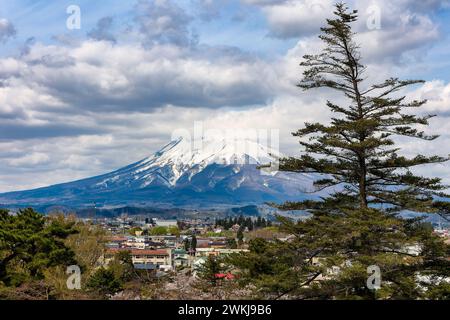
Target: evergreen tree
{"type": "Point", "coordinates": [249, 223]}
{"type": "Point", "coordinates": [104, 282]}
{"type": "Point", "coordinates": [359, 225]}
{"type": "Point", "coordinates": [267, 267]}
{"type": "Point", "coordinates": [230, 223]}
{"type": "Point", "coordinates": [240, 236]}
{"type": "Point", "coordinates": [210, 269]}
{"type": "Point", "coordinates": [194, 243]}
{"type": "Point", "coordinates": [259, 222]}
{"type": "Point", "coordinates": [122, 266]}
{"type": "Point", "coordinates": [30, 243]}
{"type": "Point", "coordinates": [187, 244]}
{"type": "Point", "coordinates": [231, 243]}
{"type": "Point", "coordinates": [356, 150]}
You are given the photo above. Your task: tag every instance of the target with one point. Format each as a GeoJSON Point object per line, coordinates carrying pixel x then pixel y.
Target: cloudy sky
{"type": "Point", "coordinates": [80, 102]}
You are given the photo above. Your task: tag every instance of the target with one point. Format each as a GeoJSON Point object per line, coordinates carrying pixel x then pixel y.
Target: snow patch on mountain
{"type": "Point", "coordinates": [182, 156]}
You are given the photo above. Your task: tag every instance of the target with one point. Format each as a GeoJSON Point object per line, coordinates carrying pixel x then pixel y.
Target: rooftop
{"type": "Point", "coordinates": [140, 252]}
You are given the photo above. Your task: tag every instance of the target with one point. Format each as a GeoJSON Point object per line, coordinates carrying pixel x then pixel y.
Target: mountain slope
{"type": "Point", "coordinates": [204, 173]}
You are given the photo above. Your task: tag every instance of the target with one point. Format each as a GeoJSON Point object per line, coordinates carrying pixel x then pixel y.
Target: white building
{"type": "Point", "coordinates": [165, 223]}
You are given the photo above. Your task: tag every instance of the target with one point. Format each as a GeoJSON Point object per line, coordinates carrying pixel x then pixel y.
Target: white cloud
{"type": "Point", "coordinates": [295, 18]}
{"type": "Point", "coordinates": [30, 160]}
{"type": "Point", "coordinates": [98, 76]}
{"type": "Point", "coordinates": [405, 26]}
{"type": "Point", "coordinates": [437, 93]}
{"type": "Point", "coordinates": [409, 33]}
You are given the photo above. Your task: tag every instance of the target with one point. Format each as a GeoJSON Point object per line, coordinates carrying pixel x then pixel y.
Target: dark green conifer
{"type": "Point", "coordinates": [370, 183]}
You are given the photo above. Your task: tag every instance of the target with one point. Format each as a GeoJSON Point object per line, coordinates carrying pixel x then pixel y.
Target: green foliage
{"type": "Point", "coordinates": [240, 236]}
{"type": "Point", "coordinates": [359, 225]}
{"type": "Point", "coordinates": [104, 282]}
{"type": "Point", "coordinates": [175, 231]}
{"type": "Point", "coordinates": [30, 243]}
{"type": "Point", "coordinates": [133, 231]}
{"type": "Point", "coordinates": [158, 231]}
{"type": "Point", "coordinates": [231, 243]}
{"type": "Point", "coordinates": [187, 244]}
{"type": "Point", "coordinates": [190, 245]}
{"type": "Point", "coordinates": [255, 263]}
{"type": "Point", "coordinates": [209, 270]}
{"type": "Point", "coordinates": [161, 231]}
{"type": "Point", "coordinates": [268, 267]}
{"type": "Point", "coordinates": [194, 243]}
{"type": "Point", "coordinates": [244, 222]}
{"type": "Point", "coordinates": [122, 266]}
{"type": "Point", "coordinates": [357, 150]}
{"type": "Point", "coordinates": [224, 233]}
{"type": "Point", "coordinates": [88, 244]}
{"type": "Point", "coordinates": [353, 241]}
{"type": "Point", "coordinates": [439, 292]}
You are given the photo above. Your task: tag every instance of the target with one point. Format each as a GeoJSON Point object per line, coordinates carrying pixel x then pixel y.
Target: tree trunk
{"type": "Point", "coordinates": [362, 184]}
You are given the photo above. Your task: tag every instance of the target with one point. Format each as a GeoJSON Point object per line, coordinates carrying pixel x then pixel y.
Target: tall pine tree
{"type": "Point", "coordinates": [356, 150]}
{"type": "Point", "coordinates": [358, 225]}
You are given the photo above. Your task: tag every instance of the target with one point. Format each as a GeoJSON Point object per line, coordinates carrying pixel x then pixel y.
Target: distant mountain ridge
{"type": "Point", "coordinates": [204, 173]}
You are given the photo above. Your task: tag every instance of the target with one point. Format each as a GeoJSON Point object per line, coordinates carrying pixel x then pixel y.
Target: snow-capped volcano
{"type": "Point", "coordinates": [182, 158]}
{"type": "Point", "coordinates": [204, 172]}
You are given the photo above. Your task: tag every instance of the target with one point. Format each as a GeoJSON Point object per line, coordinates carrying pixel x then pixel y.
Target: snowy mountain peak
{"type": "Point", "coordinates": [208, 151]}
{"type": "Point", "coordinates": [182, 155]}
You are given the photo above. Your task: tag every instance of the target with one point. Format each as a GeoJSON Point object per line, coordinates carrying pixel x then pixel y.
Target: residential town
{"type": "Point", "coordinates": [175, 246]}
{"type": "Point", "coordinates": [170, 245]}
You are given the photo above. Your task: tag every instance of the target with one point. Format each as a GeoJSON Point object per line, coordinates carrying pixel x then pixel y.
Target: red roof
{"type": "Point", "coordinates": [117, 238]}
{"type": "Point", "coordinates": [227, 276]}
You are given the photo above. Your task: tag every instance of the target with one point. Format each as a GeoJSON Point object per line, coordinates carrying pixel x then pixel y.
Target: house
{"type": "Point", "coordinates": [144, 266]}
{"type": "Point", "coordinates": [168, 241]}
{"type": "Point", "coordinates": [202, 243]}
{"type": "Point", "coordinates": [136, 242]}
{"type": "Point", "coordinates": [212, 242]}
{"type": "Point", "coordinates": [154, 245]}
{"type": "Point", "coordinates": [161, 258]}
{"type": "Point", "coordinates": [165, 223]}
{"type": "Point", "coordinates": [205, 252]}
{"type": "Point", "coordinates": [116, 241]}
{"type": "Point", "coordinates": [218, 244]}
{"type": "Point", "coordinates": [180, 258]}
